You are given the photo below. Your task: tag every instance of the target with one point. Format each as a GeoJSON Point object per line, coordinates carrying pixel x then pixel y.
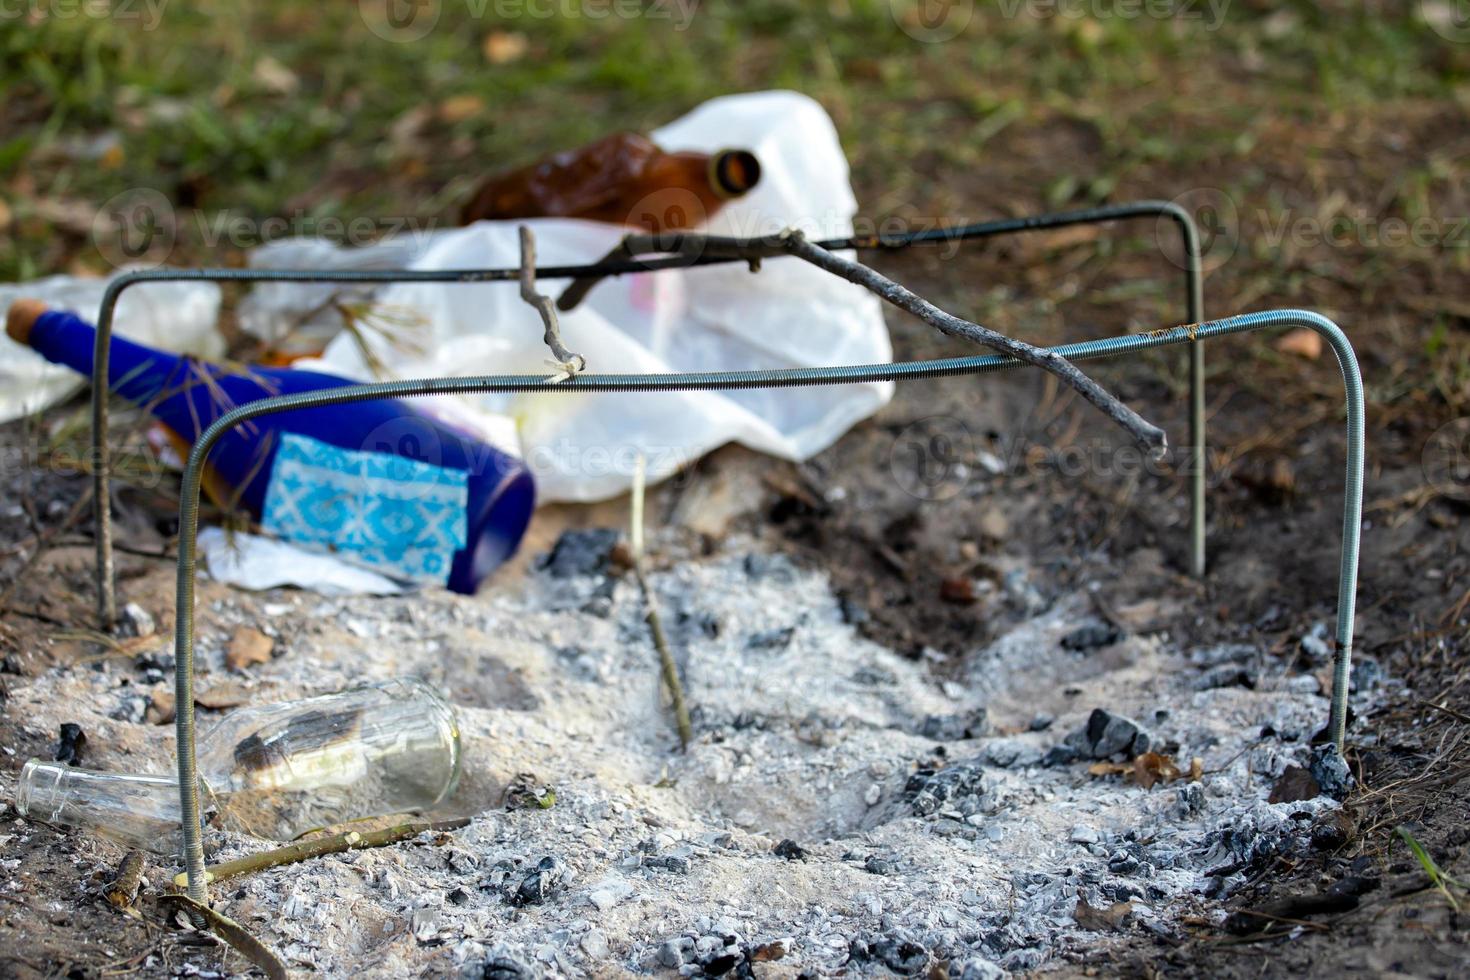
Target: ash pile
{"type": "Point", "coordinates": [841, 806]}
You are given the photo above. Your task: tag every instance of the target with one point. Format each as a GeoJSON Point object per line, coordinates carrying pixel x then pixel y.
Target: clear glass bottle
{"type": "Point", "coordinates": [275, 771]}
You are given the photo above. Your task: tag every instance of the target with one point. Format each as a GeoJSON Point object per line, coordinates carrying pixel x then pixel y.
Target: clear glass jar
{"type": "Point", "coordinates": [274, 771]}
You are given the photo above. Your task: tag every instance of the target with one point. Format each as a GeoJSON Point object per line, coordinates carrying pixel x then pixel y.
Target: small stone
{"type": "Point", "coordinates": [161, 660]}
{"type": "Point", "coordinates": [978, 970]}
{"type": "Point", "coordinates": [1092, 636]}
{"type": "Point", "coordinates": [900, 954]}
{"type": "Point", "coordinates": [671, 953]}
{"type": "Point", "coordinates": [458, 897]}
{"type": "Point", "coordinates": [135, 621]}
{"type": "Point", "coordinates": [1083, 834]}
{"type": "Point", "coordinates": [71, 742]}
{"type": "Point", "coordinates": [773, 639]}
{"type": "Point", "coordinates": [1122, 862]}
{"type": "Point", "coordinates": [581, 551]}
{"type": "Point", "coordinates": [248, 647]}
{"type": "Point", "coordinates": [930, 790]}
{"type": "Point", "coordinates": [678, 860]}
{"type": "Point", "coordinates": [720, 965]}
{"type": "Point", "coordinates": [1041, 722]}
{"type": "Point", "coordinates": [951, 728]}
{"type": "Point", "coordinates": [1021, 592]}
{"type": "Point", "coordinates": [610, 891]}
{"type": "Point", "coordinates": [1366, 675]}
{"type": "Point", "coordinates": [1059, 755]}
{"type": "Point", "coordinates": [994, 524]}
{"type": "Point", "coordinates": [873, 795]}
{"type": "Point", "coordinates": [1330, 771]}
{"type": "Point", "coordinates": [1004, 753]}
{"type": "Point", "coordinates": [1225, 675]}
{"type": "Point", "coordinates": [853, 612]}
{"type": "Point", "coordinates": [790, 850]}
{"type": "Point", "coordinates": [133, 708]}
{"type": "Point", "coordinates": [594, 944]}
{"type": "Point", "coordinates": [768, 952]}
{"type": "Point", "coordinates": [1315, 644]}
{"type": "Point", "coordinates": [1106, 735]}
{"type": "Point", "coordinates": [777, 568]}
{"type": "Point", "coordinates": [540, 884]}
{"type": "Point", "coordinates": [876, 865]}
{"type": "Point", "coordinates": [1190, 801]}
{"type": "Point", "coordinates": [425, 925]}
{"type": "Point", "coordinates": [506, 966]}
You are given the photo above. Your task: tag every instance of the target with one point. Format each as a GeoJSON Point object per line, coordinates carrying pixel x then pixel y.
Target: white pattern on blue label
{"type": "Point", "coordinates": [393, 514]}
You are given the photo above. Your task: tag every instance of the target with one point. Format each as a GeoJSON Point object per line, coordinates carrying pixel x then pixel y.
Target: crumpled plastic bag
{"type": "Point", "coordinates": [717, 318]}
{"type": "Point", "coordinates": [175, 316]}
{"type": "Point", "coordinates": [256, 563]}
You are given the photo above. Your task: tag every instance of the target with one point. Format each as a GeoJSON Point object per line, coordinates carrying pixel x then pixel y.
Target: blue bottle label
{"type": "Point", "coordinates": [390, 513]}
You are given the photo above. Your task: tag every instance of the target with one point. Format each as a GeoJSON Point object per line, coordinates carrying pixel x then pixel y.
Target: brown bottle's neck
{"type": "Point", "coordinates": [732, 173]}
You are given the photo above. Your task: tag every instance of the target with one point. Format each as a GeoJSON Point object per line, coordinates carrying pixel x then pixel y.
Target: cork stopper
{"type": "Point", "coordinates": [21, 318]}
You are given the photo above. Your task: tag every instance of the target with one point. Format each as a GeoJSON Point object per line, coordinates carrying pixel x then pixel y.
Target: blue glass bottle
{"type": "Point", "coordinates": [380, 482]}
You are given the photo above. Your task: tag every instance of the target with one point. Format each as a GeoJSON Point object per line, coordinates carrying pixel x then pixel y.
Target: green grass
{"type": "Point", "coordinates": [196, 117]}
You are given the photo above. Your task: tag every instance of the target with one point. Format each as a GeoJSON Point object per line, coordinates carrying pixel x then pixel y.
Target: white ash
{"type": "Point", "coordinates": [909, 849]}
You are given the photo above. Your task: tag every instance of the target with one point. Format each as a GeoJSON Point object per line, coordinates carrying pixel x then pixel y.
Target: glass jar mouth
{"type": "Point", "coordinates": [450, 725]}
{"type": "Point", "coordinates": [38, 783]}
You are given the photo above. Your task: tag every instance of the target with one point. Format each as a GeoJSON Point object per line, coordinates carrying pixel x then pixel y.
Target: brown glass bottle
{"type": "Point", "coordinates": [622, 179]}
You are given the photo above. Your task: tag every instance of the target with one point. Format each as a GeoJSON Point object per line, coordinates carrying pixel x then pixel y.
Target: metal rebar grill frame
{"type": "Point", "coordinates": [1194, 333]}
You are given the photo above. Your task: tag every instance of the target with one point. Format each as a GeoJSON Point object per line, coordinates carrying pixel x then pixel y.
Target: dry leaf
{"type": "Point", "coordinates": [248, 646]}
{"type": "Point", "coordinates": [221, 696]}
{"type": "Point", "coordinates": [409, 126]}
{"type": "Point", "coordinates": [1149, 769]}
{"type": "Point", "coordinates": [1295, 783]}
{"type": "Point", "coordinates": [1110, 919]}
{"type": "Point", "coordinates": [459, 108]}
{"type": "Point", "coordinates": [503, 47]}
{"type": "Point", "coordinates": [1301, 342]}
{"type": "Point", "coordinates": [161, 708]}
{"type": "Point", "coordinates": [275, 77]}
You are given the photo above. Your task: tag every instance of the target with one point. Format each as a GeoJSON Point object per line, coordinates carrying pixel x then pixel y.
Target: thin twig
{"type": "Point", "coordinates": [655, 625]}
{"type": "Point", "coordinates": [123, 891]}
{"type": "Point", "coordinates": [1457, 715]}
{"type": "Point", "coordinates": [571, 364]}
{"type": "Point", "coordinates": [794, 243]}
{"type": "Point", "coordinates": [230, 931]}
{"type": "Point", "coordinates": [1147, 434]}
{"type": "Point", "coordinates": [316, 847]}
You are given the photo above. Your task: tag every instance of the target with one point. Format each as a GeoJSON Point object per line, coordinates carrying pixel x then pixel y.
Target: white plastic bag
{"type": "Point", "coordinates": [717, 318]}
{"type": "Point", "coordinates": [175, 316]}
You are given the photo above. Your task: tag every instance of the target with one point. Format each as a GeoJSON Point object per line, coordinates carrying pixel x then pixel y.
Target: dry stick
{"type": "Point", "coordinates": [230, 931]}
{"type": "Point", "coordinates": [655, 626]}
{"type": "Point", "coordinates": [1147, 434]}
{"type": "Point", "coordinates": [571, 363]}
{"type": "Point", "coordinates": [123, 891]}
{"type": "Point", "coordinates": [794, 243]}
{"type": "Point", "coordinates": [316, 847]}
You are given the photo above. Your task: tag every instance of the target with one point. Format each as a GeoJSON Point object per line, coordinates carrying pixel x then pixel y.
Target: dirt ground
{"type": "Point", "coordinates": [890, 552]}
{"type": "Point", "coordinates": [1044, 480]}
